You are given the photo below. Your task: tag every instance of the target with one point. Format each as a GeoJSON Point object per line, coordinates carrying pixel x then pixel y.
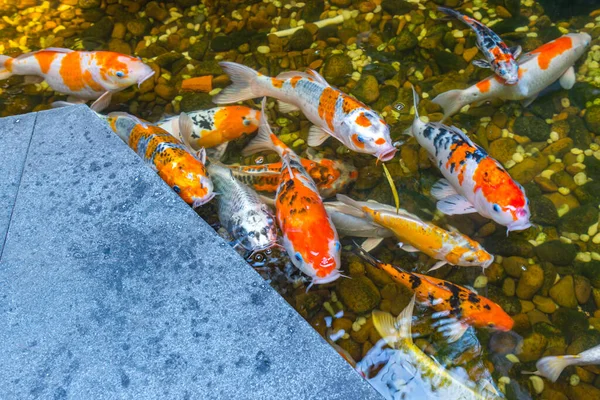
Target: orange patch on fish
{"type": "Point", "coordinates": [362, 120]}
{"type": "Point", "coordinates": [484, 85]}
{"type": "Point", "coordinates": [380, 141]}
{"type": "Point", "coordinates": [89, 80]}
{"type": "Point", "coordinates": [277, 83]}
{"type": "Point", "coordinates": [8, 64]}
{"type": "Point", "coordinates": [357, 142]}
{"type": "Point", "coordinates": [44, 59]}
{"type": "Point", "coordinates": [521, 72]}
{"type": "Point", "coordinates": [70, 71]}
{"type": "Point", "coordinates": [327, 105]}
{"type": "Point", "coordinates": [294, 81]}
{"type": "Point", "coordinates": [549, 51]}
{"type": "Point", "coordinates": [497, 186]}
{"type": "Point", "coordinates": [459, 154]}
{"type": "Point", "coordinates": [350, 104]}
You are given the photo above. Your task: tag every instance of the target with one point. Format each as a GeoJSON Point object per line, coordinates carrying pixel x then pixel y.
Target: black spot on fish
{"type": "Point", "coordinates": [415, 281]}
{"type": "Point", "coordinates": [487, 307]}
{"type": "Point", "coordinates": [473, 298]}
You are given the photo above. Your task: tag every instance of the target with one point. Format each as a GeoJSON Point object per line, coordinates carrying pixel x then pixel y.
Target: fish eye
{"type": "Point", "coordinates": [176, 189]}
{"type": "Point", "coordinates": [496, 208]}
{"type": "Point", "coordinates": [246, 122]}
{"type": "Point", "coordinates": [298, 256]}
{"type": "Point", "coordinates": [120, 74]}
{"type": "Point", "coordinates": [491, 325]}
{"type": "Point", "coordinates": [338, 246]}
{"type": "Point", "coordinates": [361, 139]}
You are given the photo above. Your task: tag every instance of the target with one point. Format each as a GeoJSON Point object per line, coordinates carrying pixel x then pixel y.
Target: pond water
{"type": "Point", "coordinates": [546, 277]}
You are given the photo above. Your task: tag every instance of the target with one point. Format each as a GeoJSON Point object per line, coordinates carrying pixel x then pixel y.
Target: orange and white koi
{"type": "Point", "coordinates": [474, 181]}
{"type": "Point", "coordinates": [330, 176]}
{"type": "Point", "coordinates": [183, 172]}
{"type": "Point", "coordinates": [448, 247]}
{"type": "Point", "coordinates": [84, 75]}
{"type": "Point", "coordinates": [460, 305]}
{"type": "Point", "coordinates": [500, 58]}
{"type": "Point", "coordinates": [215, 127]}
{"type": "Point", "coordinates": [309, 236]}
{"type": "Point", "coordinates": [537, 70]}
{"type": "Point", "coordinates": [332, 112]}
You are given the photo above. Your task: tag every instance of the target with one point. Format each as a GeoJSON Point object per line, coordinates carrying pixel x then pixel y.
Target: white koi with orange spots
{"type": "Point", "coordinates": [475, 182]}
{"type": "Point", "coordinates": [84, 75]}
{"type": "Point", "coordinates": [332, 112]}
{"type": "Point", "coordinates": [537, 70]}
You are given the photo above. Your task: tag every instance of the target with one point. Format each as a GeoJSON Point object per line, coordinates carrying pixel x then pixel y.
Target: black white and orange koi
{"type": "Point", "coordinates": [499, 57]}
{"type": "Point", "coordinates": [332, 112]}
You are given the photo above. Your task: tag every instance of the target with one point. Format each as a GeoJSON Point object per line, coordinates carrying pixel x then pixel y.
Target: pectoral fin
{"type": "Point", "coordinates": [102, 102]}
{"type": "Point", "coordinates": [451, 328]}
{"type": "Point", "coordinates": [516, 51]}
{"type": "Point", "coordinates": [481, 63]}
{"type": "Point", "coordinates": [437, 265]}
{"type": "Point", "coordinates": [567, 80]}
{"type": "Point", "coordinates": [408, 248]}
{"type": "Point", "coordinates": [371, 243]}
{"type": "Point", "coordinates": [286, 107]}
{"type": "Point", "coordinates": [316, 136]}
{"type": "Point", "coordinates": [455, 205]}
{"type": "Point", "coordinates": [442, 189]}
{"type": "Point", "coordinates": [217, 152]}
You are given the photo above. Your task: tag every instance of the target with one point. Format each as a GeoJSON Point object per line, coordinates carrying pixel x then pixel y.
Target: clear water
{"type": "Point", "coordinates": [381, 47]}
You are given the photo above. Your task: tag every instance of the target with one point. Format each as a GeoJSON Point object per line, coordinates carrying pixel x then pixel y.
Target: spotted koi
{"type": "Point", "coordinates": [330, 176]}
{"type": "Point", "coordinates": [448, 247]}
{"type": "Point", "coordinates": [182, 171]}
{"type": "Point", "coordinates": [537, 70]}
{"type": "Point", "coordinates": [499, 57]}
{"type": "Point", "coordinates": [474, 181]}
{"type": "Point", "coordinates": [448, 299]}
{"type": "Point", "coordinates": [332, 112]}
{"type": "Point", "coordinates": [215, 127]}
{"type": "Point", "coordinates": [84, 75]}
{"type": "Point", "coordinates": [309, 235]}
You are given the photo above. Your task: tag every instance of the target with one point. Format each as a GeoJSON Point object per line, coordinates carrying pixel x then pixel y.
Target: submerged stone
{"type": "Point", "coordinates": [533, 127]}
{"type": "Point", "coordinates": [579, 219]}
{"type": "Point", "coordinates": [556, 252]}
{"type": "Point", "coordinates": [563, 292]}
{"type": "Point", "coordinates": [530, 282]}
{"type": "Point", "coordinates": [592, 119]}
{"type": "Point", "coordinates": [359, 294]}
{"type": "Point", "coordinates": [367, 89]}
{"type": "Point", "coordinates": [337, 69]}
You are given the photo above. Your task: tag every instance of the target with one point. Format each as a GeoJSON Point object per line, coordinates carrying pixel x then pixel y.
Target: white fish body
{"type": "Point", "coordinates": [537, 70]}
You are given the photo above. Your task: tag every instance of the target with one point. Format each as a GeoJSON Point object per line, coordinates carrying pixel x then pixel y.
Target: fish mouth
{"type": "Point", "coordinates": [202, 200]}
{"type": "Point", "coordinates": [387, 155]}
{"type": "Point", "coordinates": [145, 78]}
{"type": "Point", "coordinates": [518, 226]}
{"type": "Point", "coordinates": [334, 275]}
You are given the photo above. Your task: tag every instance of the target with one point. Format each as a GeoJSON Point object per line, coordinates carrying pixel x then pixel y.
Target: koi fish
{"type": "Point", "coordinates": [448, 247]}
{"type": "Point", "coordinates": [462, 307]}
{"type": "Point", "coordinates": [424, 378]}
{"type": "Point", "coordinates": [551, 367]}
{"type": "Point", "coordinates": [309, 236]}
{"type": "Point", "coordinates": [246, 218]}
{"type": "Point", "coordinates": [334, 113]}
{"type": "Point", "coordinates": [330, 176]}
{"type": "Point", "coordinates": [500, 58]}
{"type": "Point", "coordinates": [83, 75]}
{"type": "Point", "coordinates": [183, 172]}
{"type": "Point", "coordinates": [537, 70]}
{"type": "Point", "coordinates": [215, 127]}
{"type": "Point", "coordinates": [474, 181]}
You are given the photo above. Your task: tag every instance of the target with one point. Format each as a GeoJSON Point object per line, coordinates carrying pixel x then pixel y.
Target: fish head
{"type": "Point", "coordinates": [120, 71]}
{"type": "Point", "coordinates": [187, 177]}
{"type": "Point", "coordinates": [507, 69]}
{"type": "Point", "coordinates": [368, 133]}
{"type": "Point", "coordinates": [331, 176]}
{"type": "Point", "coordinates": [321, 260]}
{"type": "Point", "coordinates": [257, 231]}
{"type": "Point", "coordinates": [470, 254]}
{"type": "Point", "coordinates": [500, 197]}
{"type": "Point", "coordinates": [491, 315]}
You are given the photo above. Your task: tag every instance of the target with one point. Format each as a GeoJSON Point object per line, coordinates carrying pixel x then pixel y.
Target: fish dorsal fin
{"type": "Point", "coordinates": [394, 330]}
{"type": "Point", "coordinates": [186, 129]}
{"type": "Point", "coordinates": [353, 207]}
{"type": "Point", "coordinates": [58, 50]}
{"type": "Point", "coordinates": [292, 74]}
{"type": "Point", "coordinates": [318, 77]}
{"type": "Point", "coordinates": [262, 141]}
{"type": "Point", "coordinates": [316, 136]}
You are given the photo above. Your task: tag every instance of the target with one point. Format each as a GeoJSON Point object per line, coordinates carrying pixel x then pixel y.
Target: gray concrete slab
{"type": "Point", "coordinates": [113, 288]}
{"type": "Point", "coordinates": [15, 134]}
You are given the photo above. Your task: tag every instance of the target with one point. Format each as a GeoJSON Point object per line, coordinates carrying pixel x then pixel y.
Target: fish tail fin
{"type": "Point", "coordinates": [242, 78]}
{"type": "Point", "coordinates": [5, 67]}
{"type": "Point", "coordinates": [450, 12]}
{"type": "Point", "coordinates": [263, 140]}
{"type": "Point", "coordinates": [450, 101]}
{"type": "Point", "coordinates": [394, 330]}
{"type": "Point", "coordinates": [353, 207]}
{"type": "Point", "coordinates": [552, 366]}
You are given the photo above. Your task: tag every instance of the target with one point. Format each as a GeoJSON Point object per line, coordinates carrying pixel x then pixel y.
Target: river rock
{"type": "Point", "coordinates": [554, 335]}
{"type": "Point", "coordinates": [544, 304]}
{"type": "Point", "coordinates": [563, 292]}
{"type": "Point", "coordinates": [571, 322]}
{"type": "Point", "coordinates": [592, 119]}
{"type": "Point", "coordinates": [533, 127]}
{"type": "Point", "coordinates": [503, 149]}
{"type": "Point", "coordinates": [556, 252]}
{"type": "Point", "coordinates": [514, 266]}
{"type": "Point", "coordinates": [367, 89]}
{"type": "Point", "coordinates": [530, 282]}
{"type": "Point", "coordinates": [337, 69]}
{"type": "Point", "coordinates": [579, 219]}
{"type": "Point", "coordinates": [532, 348]}
{"type": "Point", "coordinates": [153, 10]}
{"type": "Point", "coordinates": [301, 39]}
{"type": "Point", "coordinates": [359, 294]}
{"type": "Point", "coordinates": [543, 211]}
{"type": "Point", "coordinates": [583, 289]}
{"type": "Point", "coordinates": [526, 170]}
